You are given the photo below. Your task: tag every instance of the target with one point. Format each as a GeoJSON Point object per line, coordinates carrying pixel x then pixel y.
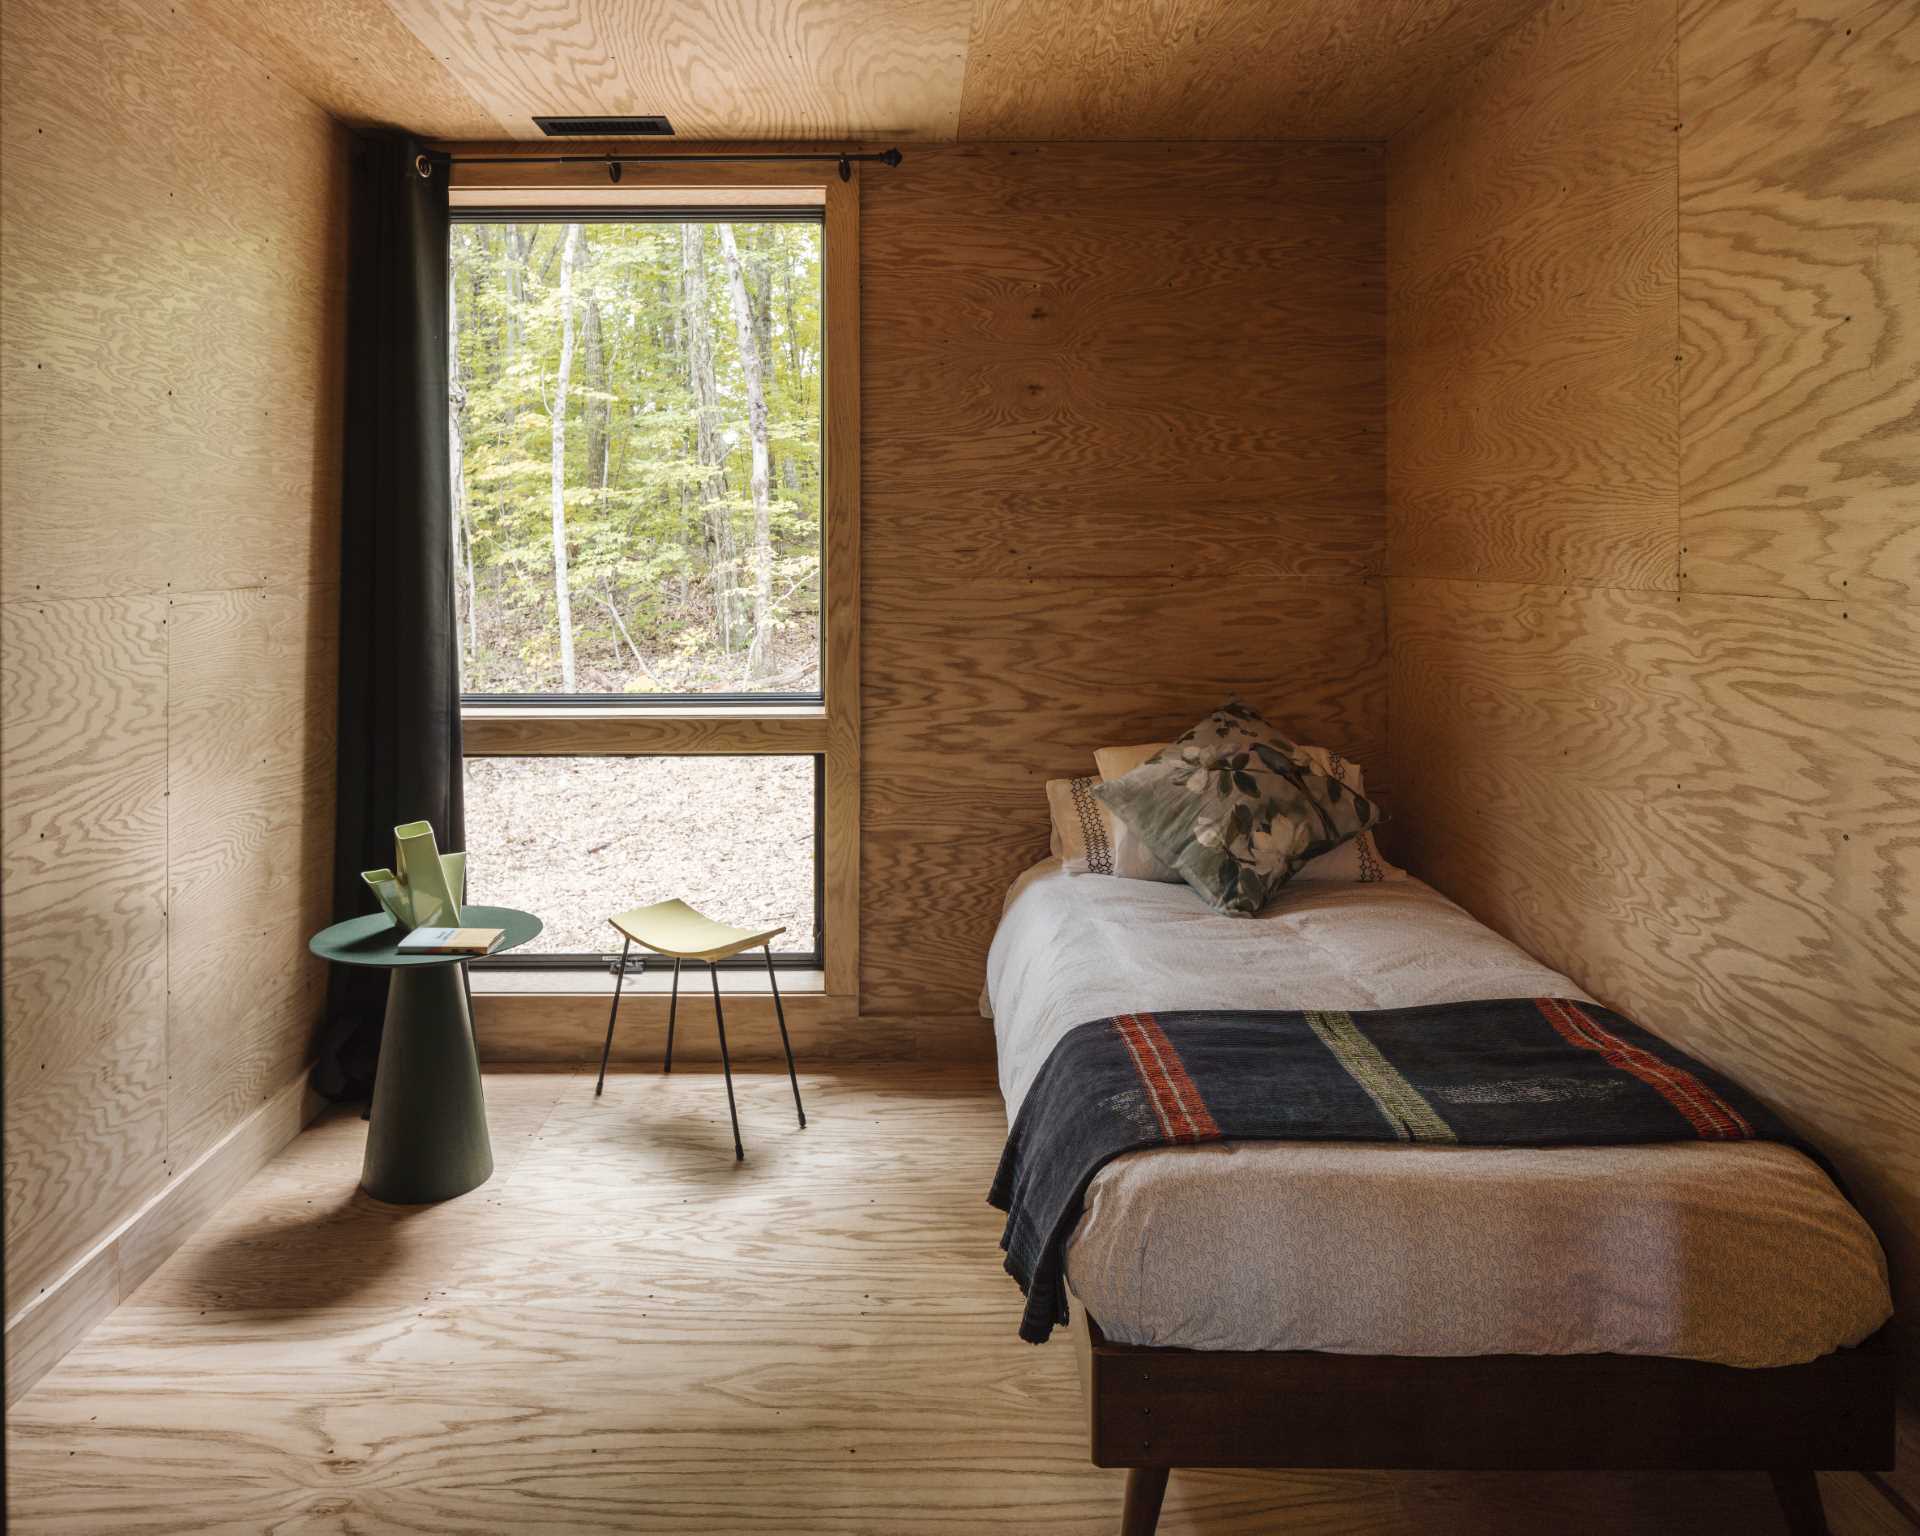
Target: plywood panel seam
{"type": "Point", "coordinates": [1567, 585]}
{"type": "Point", "coordinates": [265, 588]}
{"type": "Point", "coordinates": [25, 600]}
{"type": "Point", "coordinates": [1845, 604]}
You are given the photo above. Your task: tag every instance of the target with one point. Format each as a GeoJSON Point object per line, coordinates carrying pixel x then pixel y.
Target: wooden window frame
{"type": "Point", "coordinates": [830, 729]}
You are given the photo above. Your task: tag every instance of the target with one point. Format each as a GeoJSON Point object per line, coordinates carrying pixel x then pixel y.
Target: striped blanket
{"type": "Point", "coordinates": [1516, 1072]}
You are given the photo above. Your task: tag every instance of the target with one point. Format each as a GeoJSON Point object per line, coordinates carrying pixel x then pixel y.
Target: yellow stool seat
{"type": "Point", "coordinates": [675, 929]}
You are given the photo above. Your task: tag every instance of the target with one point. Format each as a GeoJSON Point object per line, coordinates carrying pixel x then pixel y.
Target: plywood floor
{"type": "Point", "coordinates": [625, 1331]}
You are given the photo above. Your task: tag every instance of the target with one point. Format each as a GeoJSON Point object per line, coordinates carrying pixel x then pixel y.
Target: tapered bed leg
{"type": "Point", "coordinates": [726, 1066]}
{"type": "Point", "coordinates": [1799, 1495]}
{"type": "Point", "coordinates": [1146, 1487]}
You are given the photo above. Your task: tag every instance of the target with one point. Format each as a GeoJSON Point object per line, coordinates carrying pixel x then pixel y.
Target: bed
{"type": "Point", "coordinates": [1705, 1305]}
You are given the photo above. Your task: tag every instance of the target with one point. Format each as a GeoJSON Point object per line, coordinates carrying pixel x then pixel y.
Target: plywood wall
{"type": "Point", "coordinates": [1654, 469]}
{"type": "Point", "coordinates": [173, 296]}
{"type": "Point", "coordinates": [1122, 457]}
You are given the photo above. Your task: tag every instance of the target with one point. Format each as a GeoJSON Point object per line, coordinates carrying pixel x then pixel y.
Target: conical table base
{"type": "Point", "coordinates": [427, 1140]}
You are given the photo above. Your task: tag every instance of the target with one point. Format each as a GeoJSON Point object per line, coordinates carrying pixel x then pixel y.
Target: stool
{"type": "Point", "coordinates": [674, 928]}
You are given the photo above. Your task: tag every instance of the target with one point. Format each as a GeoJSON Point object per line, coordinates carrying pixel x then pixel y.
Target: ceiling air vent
{"type": "Point", "coordinates": [605, 127]}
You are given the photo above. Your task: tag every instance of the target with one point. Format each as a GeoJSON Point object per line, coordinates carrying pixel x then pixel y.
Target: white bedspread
{"type": "Point", "coordinates": [1743, 1254]}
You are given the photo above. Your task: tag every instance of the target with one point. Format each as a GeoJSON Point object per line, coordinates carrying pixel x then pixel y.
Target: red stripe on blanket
{"type": "Point", "coordinates": [1193, 1108]}
{"type": "Point", "coordinates": [1711, 1116]}
{"type": "Point", "coordinates": [1136, 1047]}
{"type": "Point", "coordinates": [1176, 1101]}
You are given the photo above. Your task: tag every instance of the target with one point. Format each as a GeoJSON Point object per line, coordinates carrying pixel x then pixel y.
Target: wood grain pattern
{"type": "Point", "coordinates": [353, 58]}
{"type": "Point", "coordinates": [899, 69]}
{"type": "Point", "coordinates": [250, 829]}
{"type": "Point", "coordinates": [822, 1337]}
{"type": "Point", "coordinates": [722, 69]}
{"type": "Point", "coordinates": [168, 377]}
{"type": "Point", "coordinates": [1072, 538]}
{"type": "Point", "coordinates": [980, 692]}
{"type": "Point", "coordinates": [1707, 811]}
{"type": "Point", "coordinates": [1531, 250]}
{"type": "Point", "coordinates": [108, 1273]}
{"type": "Point", "coordinates": [83, 753]}
{"type": "Point", "coordinates": [1215, 69]}
{"type": "Point", "coordinates": [170, 258]}
{"type": "Point", "coordinates": [1702, 804]}
{"type": "Point", "coordinates": [1799, 261]}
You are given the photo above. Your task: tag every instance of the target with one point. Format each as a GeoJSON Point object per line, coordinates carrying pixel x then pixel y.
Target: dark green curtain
{"type": "Point", "coordinates": [399, 747]}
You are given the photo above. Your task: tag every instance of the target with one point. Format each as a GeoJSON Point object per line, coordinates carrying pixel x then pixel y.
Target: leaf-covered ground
{"type": "Point", "coordinates": [576, 839]}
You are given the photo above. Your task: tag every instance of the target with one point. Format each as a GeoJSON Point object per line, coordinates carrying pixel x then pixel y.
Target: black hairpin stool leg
{"type": "Point", "coordinates": [673, 1007]}
{"type": "Point", "coordinates": [780, 1013]}
{"type": "Point", "coordinates": [619, 980]}
{"type": "Point", "coordinates": [726, 1066]}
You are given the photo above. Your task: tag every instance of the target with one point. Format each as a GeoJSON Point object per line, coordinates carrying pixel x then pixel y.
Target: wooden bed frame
{"type": "Point", "coordinates": [1151, 1410]}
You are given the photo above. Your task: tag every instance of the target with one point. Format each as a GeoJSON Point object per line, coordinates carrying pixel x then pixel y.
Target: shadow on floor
{"type": "Point", "coordinates": [294, 1255]}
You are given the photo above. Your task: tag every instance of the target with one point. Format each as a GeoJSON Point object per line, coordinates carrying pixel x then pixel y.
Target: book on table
{"type": "Point", "coordinates": [452, 941]}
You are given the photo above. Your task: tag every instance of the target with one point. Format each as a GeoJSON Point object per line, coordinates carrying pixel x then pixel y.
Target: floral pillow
{"type": "Point", "coordinates": [1237, 809]}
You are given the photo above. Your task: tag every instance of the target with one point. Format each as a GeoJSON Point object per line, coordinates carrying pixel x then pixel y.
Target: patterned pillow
{"type": "Point", "coordinates": [1359, 861]}
{"type": "Point", "coordinates": [1237, 809]}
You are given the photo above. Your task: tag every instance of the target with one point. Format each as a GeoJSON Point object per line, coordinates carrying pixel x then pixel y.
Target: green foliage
{"type": "Point", "coordinates": [657, 541]}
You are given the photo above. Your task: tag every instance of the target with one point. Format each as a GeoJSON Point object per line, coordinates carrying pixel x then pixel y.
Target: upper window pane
{"type": "Point", "coordinates": [637, 465]}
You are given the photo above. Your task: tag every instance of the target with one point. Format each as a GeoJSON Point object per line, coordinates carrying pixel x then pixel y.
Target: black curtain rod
{"type": "Point", "coordinates": [613, 162]}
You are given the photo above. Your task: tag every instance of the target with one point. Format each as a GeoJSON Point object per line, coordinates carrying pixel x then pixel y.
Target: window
{"type": "Point", "coordinates": [636, 430]}
{"type": "Point", "coordinates": [733, 835]}
{"type": "Point", "coordinates": [655, 560]}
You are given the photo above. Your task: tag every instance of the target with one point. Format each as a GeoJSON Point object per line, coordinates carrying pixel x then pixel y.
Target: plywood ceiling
{"type": "Point", "coordinates": [876, 69]}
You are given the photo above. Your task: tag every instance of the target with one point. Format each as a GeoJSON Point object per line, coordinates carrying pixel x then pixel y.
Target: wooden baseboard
{"type": "Point", "coordinates": [565, 1027]}
{"type": "Point", "coordinates": [42, 1331]}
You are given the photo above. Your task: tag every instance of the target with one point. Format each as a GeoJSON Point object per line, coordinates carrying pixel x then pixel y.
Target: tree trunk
{"type": "Point", "coordinates": [599, 408]}
{"type": "Point", "coordinates": [708, 452]}
{"type": "Point", "coordinates": [517, 249]}
{"type": "Point", "coordinates": [456, 443]}
{"type": "Point", "coordinates": [794, 364]}
{"type": "Point", "coordinates": [562, 598]}
{"type": "Point", "coordinates": [790, 478]}
{"type": "Point", "coordinates": [758, 658]}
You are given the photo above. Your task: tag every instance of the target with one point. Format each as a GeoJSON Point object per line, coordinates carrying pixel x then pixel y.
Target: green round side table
{"type": "Point", "coordinates": [427, 1133]}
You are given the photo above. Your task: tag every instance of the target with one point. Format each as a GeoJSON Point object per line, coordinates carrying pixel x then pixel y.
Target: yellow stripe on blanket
{"type": "Point", "coordinates": [1410, 1115]}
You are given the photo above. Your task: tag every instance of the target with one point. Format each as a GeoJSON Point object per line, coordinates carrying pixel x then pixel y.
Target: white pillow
{"type": "Point", "coordinates": [1128, 851]}
{"type": "Point", "coordinates": [1358, 859]}
{"type": "Point", "coordinates": [1084, 836]}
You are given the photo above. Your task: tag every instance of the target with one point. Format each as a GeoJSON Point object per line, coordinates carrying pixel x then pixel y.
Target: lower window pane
{"type": "Point", "coordinates": [576, 839]}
